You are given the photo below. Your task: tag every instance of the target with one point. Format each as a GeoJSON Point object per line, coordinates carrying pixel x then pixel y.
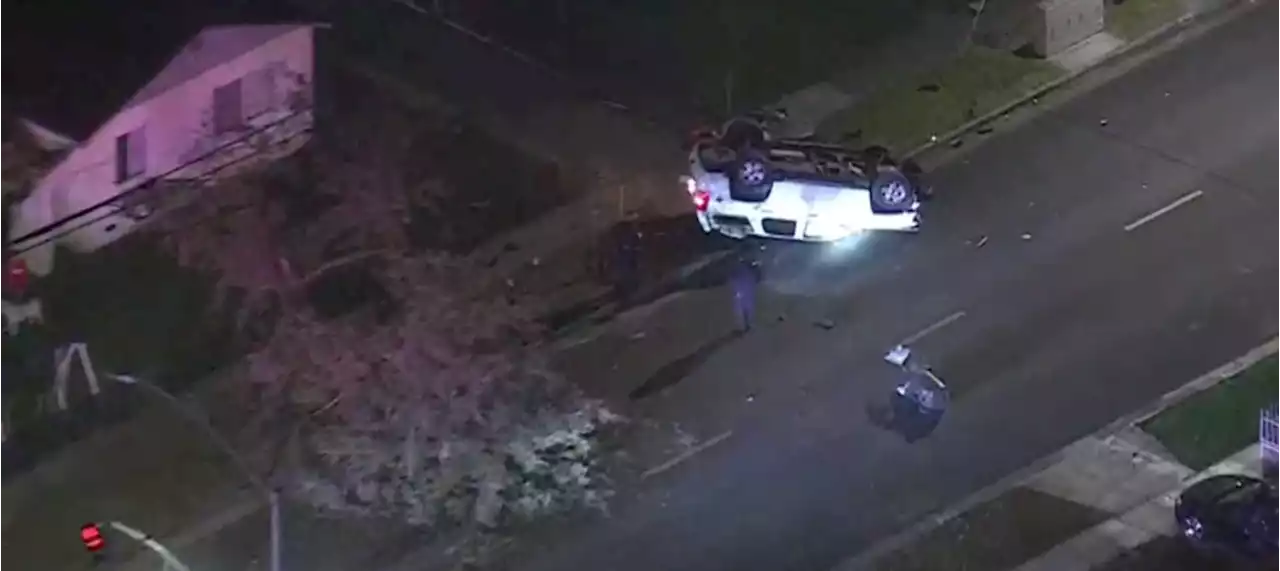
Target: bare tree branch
{"type": "Point", "coordinates": [434, 403]}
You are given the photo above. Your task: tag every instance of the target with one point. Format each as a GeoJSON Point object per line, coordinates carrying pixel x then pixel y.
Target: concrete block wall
{"type": "Point", "coordinates": [1060, 24]}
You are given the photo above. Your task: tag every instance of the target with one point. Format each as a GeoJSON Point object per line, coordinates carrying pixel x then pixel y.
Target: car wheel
{"type": "Point", "coordinates": [752, 173]}
{"type": "Point", "coordinates": [891, 190]}
{"type": "Point", "coordinates": [751, 180]}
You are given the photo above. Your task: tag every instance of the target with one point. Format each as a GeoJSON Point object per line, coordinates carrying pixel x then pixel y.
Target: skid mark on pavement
{"type": "Point", "coordinates": [1163, 210]}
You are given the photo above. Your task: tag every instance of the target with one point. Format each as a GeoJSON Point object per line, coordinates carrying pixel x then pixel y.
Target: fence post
{"type": "Point", "coordinates": [64, 358]}
{"type": "Point", "coordinates": [1269, 439]}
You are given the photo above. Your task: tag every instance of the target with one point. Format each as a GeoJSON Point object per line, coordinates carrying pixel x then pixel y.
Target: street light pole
{"type": "Point", "coordinates": [273, 496]}
{"type": "Point", "coordinates": [273, 503]}
{"type": "Point", "coordinates": [149, 542]}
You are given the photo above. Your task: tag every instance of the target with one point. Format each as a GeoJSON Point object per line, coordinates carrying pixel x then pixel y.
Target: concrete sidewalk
{"type": "Point", "coordinates": [1112, 492]}
{"type": "Point", "coordinates": [1138, 524]}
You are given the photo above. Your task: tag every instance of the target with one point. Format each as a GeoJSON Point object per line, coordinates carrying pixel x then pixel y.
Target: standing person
{"type": "Point", "coordinates": [627, 262]}
{"type": "Point", "coordinates": [743, 284]}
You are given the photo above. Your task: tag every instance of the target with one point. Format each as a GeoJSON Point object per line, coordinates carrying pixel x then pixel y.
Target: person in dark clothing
{"type": "Point", "coordinates": [918, 404]}
{"type": "Point", "coordinates": [743, 284]}
{"type": "Point", "coordinates": [626, 262]}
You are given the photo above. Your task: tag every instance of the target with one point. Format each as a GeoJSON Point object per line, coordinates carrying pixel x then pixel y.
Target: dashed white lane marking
{"type": "Point", "coordinates": [945, 321]}
{"type": "Point", "coordinates": [687, 454]}
{"type": "Point", "coordinates": [1163, 210]}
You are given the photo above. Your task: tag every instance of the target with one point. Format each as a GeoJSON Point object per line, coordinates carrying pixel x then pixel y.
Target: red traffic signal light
{"type": "Point", "coordinates": [91, 536]}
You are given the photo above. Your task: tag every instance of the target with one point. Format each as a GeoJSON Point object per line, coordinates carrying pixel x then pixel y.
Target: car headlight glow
{"type": "Point", "coordinates": [828, 227]}
{"type": "Point", "coordinates": [837, 220]}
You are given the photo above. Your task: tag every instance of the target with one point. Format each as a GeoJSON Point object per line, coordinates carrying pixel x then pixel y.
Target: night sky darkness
{"type": "Point", "coordinates": [72, 63]}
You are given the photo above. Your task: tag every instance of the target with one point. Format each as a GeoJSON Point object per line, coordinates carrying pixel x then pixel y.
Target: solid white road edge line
{"type": "Point", "coordinates": [687, 454]}
{"type": "Point", "coordinates": [1163, 210]}
{"type": "Point", "coordinates": [945, 321]}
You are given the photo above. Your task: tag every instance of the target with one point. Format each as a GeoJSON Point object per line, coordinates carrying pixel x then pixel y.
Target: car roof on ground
{"type": "Point", "coordinates": [801, 160]}
{"type": "Point", "coordinates": [827, 162]}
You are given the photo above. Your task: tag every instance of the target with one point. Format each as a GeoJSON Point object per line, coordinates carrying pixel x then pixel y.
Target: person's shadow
{"type": "Point", "coordinates": [883, 416]}
{"type": "Point", "coordinates": [880, 415]}
{"type": "Point", "coordinates": [675, 371]}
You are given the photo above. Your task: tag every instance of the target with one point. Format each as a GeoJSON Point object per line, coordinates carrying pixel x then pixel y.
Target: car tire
{"type": "Point", "coordinates": [891, 191]}
{"type": "Point", "coordinates": [752, 179]}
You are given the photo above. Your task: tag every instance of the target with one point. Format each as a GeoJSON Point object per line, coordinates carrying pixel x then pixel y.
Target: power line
{"type": "Point", "coordinates": [142, 186]}
{"type": "Point", "coordinates": [106, 215]}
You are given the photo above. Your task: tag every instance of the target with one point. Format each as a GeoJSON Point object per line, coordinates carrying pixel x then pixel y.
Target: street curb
{"type": "Point", "coordinates": [1054, 557]}
{"type": "Point", "coordinates": [1206, 381]}
{"type": "Point", "coordinates": [1227, 10]}
{"type": "Point", "coordinates": [591, 326]}
{"type": "Point", "coordinates": [1175, 396]}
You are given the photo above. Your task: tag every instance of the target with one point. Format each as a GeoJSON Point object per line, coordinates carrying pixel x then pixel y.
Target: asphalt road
{"type": "Point", "coordinates": [1067, 306]}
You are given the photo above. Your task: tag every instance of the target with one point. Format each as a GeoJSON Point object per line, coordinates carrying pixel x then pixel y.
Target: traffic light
{"type": "Point", "coordinates": [91, 536]}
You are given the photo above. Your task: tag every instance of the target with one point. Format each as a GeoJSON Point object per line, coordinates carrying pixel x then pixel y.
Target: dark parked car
{"type": "Point", "coordinates": [1230, 516]}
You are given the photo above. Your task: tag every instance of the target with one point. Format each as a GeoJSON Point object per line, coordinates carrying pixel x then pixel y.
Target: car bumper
{"type": "Point", "coordinates": [807, 230]}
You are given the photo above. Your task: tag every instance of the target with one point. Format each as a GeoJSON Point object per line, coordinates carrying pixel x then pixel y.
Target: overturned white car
{"type": "Point", "coordinates": [745, 183]}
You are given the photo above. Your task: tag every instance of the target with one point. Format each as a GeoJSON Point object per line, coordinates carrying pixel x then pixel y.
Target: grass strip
{"type": "Point", "coordinates": [907, 115]}
{"type": "Point", "coordinates": [1130, 19]}
{"type": "Point", "coordinates": [1217, 422]}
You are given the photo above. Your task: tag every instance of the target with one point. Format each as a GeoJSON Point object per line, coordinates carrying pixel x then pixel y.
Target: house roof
{"type": "Point", "coordinates": [210, 47]}
{"type": "Point", "coordinates": [72, 64]}
{"type": "Point", "coordinates": [29, 151]}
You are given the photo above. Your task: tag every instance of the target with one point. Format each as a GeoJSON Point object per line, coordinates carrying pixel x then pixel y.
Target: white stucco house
{"type": "Point", "coordinates": [232, 97]}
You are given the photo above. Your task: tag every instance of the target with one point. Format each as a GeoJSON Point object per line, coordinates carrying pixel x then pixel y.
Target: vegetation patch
{"type": "Point", "coordinates": [910, 114]}
{"type": "Point", "coordinates": [1216, 423]}
{"type": "Point", "coordinates": [1131, 19]}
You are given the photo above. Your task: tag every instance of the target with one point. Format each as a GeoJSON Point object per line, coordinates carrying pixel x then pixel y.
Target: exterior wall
{"type": "Point", "coordinates": [179, 144]}
{"type": "Point", "coordinates": [1064, 23]}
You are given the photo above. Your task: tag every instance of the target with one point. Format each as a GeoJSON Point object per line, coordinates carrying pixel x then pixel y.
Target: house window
{"type": "Point", "coordinates": [260, 91]}
{"type": "Point", "coordinates": [228, 108]}
{"type": "Point", "coordinates": [131, 155]}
